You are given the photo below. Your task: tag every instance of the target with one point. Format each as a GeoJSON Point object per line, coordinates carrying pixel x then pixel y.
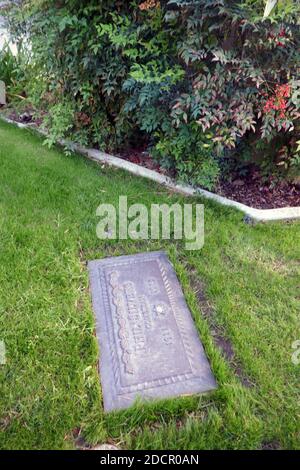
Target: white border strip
{"type": "Point", "coordinates": [252, 214]}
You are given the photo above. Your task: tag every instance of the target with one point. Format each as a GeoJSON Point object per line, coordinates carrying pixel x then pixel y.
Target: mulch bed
{"type": "Point", "coordinates": [141, 157]}
{"type": "Point", "coordinates": [25, 117]}
{"type": "Point", "coordinates": [255, 192]}
{"type": "Point", "coordinates": [252, 190]}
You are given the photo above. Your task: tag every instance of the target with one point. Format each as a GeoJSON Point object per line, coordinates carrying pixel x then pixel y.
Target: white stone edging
{"type": "Point", "coordinates": [252, 214]}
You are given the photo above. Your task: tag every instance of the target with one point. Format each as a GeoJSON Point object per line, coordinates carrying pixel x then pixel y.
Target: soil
{"type": "Point", "coordinates": [220, 340]}
{"type": "Point", "coordinates": [141, 157]}
{"type": "Point", "coordinates": [25, 117]}
{"type": "Point", "coordinates": [252, 190]}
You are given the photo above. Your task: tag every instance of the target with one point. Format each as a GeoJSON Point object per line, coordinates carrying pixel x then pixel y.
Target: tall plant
{"type": "Point", "coordinates": [213, 72]}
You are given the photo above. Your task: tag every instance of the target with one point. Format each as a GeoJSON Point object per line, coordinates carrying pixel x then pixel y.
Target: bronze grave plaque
{"type": "Point", "coordinates": [149, 346]}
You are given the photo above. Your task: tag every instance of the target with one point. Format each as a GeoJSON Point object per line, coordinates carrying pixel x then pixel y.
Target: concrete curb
{"type": "Point", "coordinates": [252, 214]}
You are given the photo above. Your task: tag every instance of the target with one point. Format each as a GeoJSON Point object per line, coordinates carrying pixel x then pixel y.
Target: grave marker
{"type": "Point", "coordinates": [149, 346]}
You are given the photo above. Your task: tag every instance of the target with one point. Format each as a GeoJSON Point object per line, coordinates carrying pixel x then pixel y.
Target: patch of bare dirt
{"type": "Point", "coordinates": [271, 445]}
{"type": "Point", "coordinates": [256, 192]}
{"type": "Point", "coordinates": [220, 339]}
{"type": "Point", "coordinates": [27, 116]}
{"type": "Point", "coordinates": [141, 157]}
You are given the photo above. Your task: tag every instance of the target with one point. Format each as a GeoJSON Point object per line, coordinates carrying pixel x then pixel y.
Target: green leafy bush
{"type": "Point", "coordinates": [12, 72]}
{"type": "Point", "coordinates": [190, 153]}
{"type": "Point", "coordinates": [61, 120]}
{"type": "Point", "coordinates": [178, 73]}
{"type": "Point", "coordinates": [7, 66]}
{"type": "Point", "coordinates": [20, 76]}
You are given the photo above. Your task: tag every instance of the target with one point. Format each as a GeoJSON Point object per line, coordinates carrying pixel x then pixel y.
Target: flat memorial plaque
{"type": "Point", "coordinates": [149, 346]}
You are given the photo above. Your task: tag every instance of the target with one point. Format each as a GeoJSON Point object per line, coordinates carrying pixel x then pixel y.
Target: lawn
{"type": "Point", "coordinates": [242, 289]}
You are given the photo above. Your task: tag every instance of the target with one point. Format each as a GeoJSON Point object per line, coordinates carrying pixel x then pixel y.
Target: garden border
{"type": "Point", "coordinates": [251, 214]}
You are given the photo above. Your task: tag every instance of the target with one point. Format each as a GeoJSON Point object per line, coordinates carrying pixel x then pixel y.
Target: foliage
{"type": "Point", "coordinates": [12, 72]}
{"type": "Point", "coordinates": [154, 69]}
{"type": "Point", "coordinates": [7, 66]}
{"type": "Point", "coordinates": [20, 76]}
{"type": "Point", "coordinates": [61, 121]}
{"type": "Point", "coordinates": [238, 70]}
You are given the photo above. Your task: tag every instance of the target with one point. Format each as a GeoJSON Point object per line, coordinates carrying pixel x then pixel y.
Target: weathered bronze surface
{"type": "Point", "coordinates": [149, 346]}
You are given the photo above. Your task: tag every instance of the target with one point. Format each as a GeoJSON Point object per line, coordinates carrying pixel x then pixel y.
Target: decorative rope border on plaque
{"type": "Point", "coordinates": [109, 327]}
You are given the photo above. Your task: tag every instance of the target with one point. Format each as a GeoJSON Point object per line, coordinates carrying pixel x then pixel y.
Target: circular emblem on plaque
{"type": "Point", "coordinates": [161, 309]}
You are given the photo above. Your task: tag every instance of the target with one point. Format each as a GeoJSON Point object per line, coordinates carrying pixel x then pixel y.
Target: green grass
{"type": "Point", "coordinates": [50, 385]}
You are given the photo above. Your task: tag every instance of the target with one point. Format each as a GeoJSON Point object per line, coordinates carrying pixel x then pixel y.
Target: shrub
{"type": "Point", "coordinates": [182, 72]}
{"type": "Point", "coordinates": [245, 74]}
{"type": "Point", "coordinates": [190, 153]}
